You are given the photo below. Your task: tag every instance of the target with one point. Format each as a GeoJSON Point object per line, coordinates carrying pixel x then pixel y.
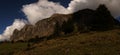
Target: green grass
{"type": "Point", "coordinates": [92, 43]}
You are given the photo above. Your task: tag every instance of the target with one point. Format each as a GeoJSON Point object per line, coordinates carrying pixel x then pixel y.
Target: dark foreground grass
{"type": "Point", "coordinates": [11, 48]}
{"type": "Point", "coordinates": [92, 43]}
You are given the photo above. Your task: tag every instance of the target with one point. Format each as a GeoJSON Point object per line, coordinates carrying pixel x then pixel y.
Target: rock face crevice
{"type": "Point", "coordinates": [62, 24]}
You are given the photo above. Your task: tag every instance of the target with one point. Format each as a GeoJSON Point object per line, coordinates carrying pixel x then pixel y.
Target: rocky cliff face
{"type": "Point", "coordinates": [61, 24]}
{"type": "Point", "coordinates": [43, 28]}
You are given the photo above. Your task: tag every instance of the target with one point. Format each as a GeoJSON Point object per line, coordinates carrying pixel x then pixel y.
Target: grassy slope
{"type": "Point", "coordinates": [92, 43]}
{"type": "Point", "coordinates": [9, 48]}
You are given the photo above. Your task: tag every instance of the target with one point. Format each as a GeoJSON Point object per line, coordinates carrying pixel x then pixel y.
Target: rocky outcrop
{"type": "Point", "coordinates": [61, 24]}
{"type": "Point", "coordinates": [43, 28]}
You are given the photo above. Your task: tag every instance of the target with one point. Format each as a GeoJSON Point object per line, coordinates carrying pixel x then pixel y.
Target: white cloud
{"type": "Point", "coordinates": [42, 9]}
{"type": "Point", "coordinates": [18, 24]}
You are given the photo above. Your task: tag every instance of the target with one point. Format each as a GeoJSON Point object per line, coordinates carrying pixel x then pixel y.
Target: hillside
{"type": "Point", "coordinates": [91, 43]}
{"type": "Point", "coordinates": [85, 32]}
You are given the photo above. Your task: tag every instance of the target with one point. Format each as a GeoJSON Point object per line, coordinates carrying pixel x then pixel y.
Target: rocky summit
{"type": "Point", "coordinates": [62, 24]}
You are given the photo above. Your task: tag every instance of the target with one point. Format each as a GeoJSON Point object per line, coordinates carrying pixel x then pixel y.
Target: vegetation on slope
{"type": "Point", "coordinates": [91, 43]}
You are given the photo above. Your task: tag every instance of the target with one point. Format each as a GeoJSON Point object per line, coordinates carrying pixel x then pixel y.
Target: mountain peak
{"type": "Point", "coordinates": [102, 6]}
{"type": "Point", "coordinates": [102, 9]}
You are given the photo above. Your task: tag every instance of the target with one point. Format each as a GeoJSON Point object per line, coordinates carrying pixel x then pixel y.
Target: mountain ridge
{"type": "Point", "coordinates": [61, 24]}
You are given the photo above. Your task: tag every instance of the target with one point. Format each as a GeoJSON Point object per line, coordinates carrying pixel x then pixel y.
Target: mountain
{"type": "Point", "coordinates": [62, 24]}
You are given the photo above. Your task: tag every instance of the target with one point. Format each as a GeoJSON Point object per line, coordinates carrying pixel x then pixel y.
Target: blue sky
{"type": "Point", "coordinates": [11, 9]}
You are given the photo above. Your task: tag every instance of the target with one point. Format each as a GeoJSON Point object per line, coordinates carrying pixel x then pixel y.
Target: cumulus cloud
{"type": "Point", "coordinates": [18, 24]}
{"type": "Point", "coordinates": [42, 9]}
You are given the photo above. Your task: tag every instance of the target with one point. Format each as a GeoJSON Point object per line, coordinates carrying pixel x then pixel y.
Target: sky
{"type": "Point", "coordinates": [11, 9]}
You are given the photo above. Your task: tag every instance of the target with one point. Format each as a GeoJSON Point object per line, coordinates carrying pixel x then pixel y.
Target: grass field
{"type": "Point", "coordinates": [11, 48]}
{"type": "Point", "coordinates": [92, 43]}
